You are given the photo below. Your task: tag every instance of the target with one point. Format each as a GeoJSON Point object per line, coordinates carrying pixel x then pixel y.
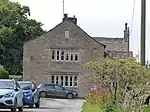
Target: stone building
{"type": "Point", "coordinates": [117, 47]}
{"type": "Point", "coordinates": [58, 56]}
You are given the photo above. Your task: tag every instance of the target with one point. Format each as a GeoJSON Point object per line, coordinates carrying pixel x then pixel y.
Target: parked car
{"type": "Point", "coordinates": [55, 90]}
{"type": "Point", "coordinates": [11, 96]}
{"type": "Point", "coordinates": [31, 95]}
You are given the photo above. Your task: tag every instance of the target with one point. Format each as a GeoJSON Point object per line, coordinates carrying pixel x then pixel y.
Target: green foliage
{"type": "Point", "coordinates": [87, 107]}
{"type": "Point", "coordinates": [3, 73]}
{"type": "Point", "coordinates": [15, 29]}
{"type": "Point", "coordinates": [126, 80]}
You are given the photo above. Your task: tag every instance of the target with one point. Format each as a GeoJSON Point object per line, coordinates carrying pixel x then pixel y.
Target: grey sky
{"type": "Point", "coordinates": [103, 18]}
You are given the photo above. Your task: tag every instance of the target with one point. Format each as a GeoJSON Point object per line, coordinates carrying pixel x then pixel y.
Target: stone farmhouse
{"type": "Point", "coordinates": [58, 56]}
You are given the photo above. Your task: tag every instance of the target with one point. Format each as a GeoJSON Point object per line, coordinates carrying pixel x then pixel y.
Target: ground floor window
{"type": "Point", "coordinates": [65, 80]}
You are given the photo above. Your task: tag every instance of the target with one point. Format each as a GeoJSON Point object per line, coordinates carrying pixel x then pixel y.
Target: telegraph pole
{"type": "Point", "coordinates": [143, 30]}
{"type": "Point", "coordinates": [63, 8]}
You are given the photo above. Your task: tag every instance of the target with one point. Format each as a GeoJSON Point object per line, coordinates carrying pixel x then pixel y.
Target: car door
{"type": "Point", "coordinates": [35, 93]}
{"type": "Point", "coordinates": [50, 89]}
{"type": "Point", "coordinates": [60, 91]}
{"type": "Point", "coordinates": [19, 95]}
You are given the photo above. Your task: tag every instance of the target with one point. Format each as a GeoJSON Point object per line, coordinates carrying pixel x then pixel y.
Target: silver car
{"type": "Point", "coordinates": [11, 96]}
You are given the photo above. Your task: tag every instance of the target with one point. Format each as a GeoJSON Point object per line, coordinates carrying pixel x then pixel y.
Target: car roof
{"type": "Point", "coordinates": [51, 84]}
{"type": "Point", "coordinates": [6, 80]}
{"type": "Point", "coordinates": [24, 82]}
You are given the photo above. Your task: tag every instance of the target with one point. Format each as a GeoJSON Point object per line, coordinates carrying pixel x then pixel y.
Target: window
{"type": "Point", "coordinates": [66, 34]}
{"type": "Point", "coordinates": [70, 80]}
{"type": "Point", "coordinates": [58, 55]}
{"type": "Point", "coordinates": [49, 86]}
{"type": "Point", "coordinates": [66, 80]}
{"type": "Point", "coordinates": [75, 81]}
{"type": "Point", "coordinates": [62, 81]}
{"type": "Point", "coordinates": [62, 55]}
{"type": "Point", "coordinates": [53, 54]}
{"type": "Point", "coordinates": [71, 58]}
{"type": "Point", "coordinates": [76, 57]}
{"type": "Point", "coordinates": [58, 87]}
{"type": "Point", "coordinates": [53, 79]}
{"type": "Point", "coordinates": [67, 56]}
{"type": "Point", "coordinates": [57, 80]}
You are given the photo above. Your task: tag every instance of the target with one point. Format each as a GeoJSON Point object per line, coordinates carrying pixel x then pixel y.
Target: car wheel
{"type": "Point", "coordinates": [43, 94]}
{"type": "Point", "coordinates": [20, 109]}
{"type": "Point", "coordinates": [70, 96]}
{"type": "Point", "coordinates": [13, 110]}
{"type": "Point", "coordinates": [31, 106]}
{"type": "Point", "coordinates": [37, 105]}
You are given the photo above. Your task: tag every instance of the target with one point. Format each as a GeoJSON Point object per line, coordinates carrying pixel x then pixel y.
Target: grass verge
{"type": "Point", "coordinates": [87, 107]}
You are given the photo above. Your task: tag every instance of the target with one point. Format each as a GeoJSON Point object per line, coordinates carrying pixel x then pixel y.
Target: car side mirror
{"type": "Point", "coordinates": [16, 89]}
{"type": "Point", "coordinates": [33, 90]}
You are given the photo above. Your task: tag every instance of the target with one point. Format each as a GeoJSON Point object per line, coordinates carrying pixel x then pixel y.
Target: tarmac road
{"type": "Point", "coordinates": [55, 105]}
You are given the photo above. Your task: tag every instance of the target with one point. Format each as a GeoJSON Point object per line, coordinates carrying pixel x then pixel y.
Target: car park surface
{"type": "Point", "coordinates": [56, 105]}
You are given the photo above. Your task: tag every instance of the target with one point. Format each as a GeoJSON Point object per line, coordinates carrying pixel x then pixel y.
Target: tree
{"type": "Point", "coordinates": [15, 29]}
{"type": "Point", "coordinates": [3, 73]}
{"type": "Point", "coordinates": [124, 78]}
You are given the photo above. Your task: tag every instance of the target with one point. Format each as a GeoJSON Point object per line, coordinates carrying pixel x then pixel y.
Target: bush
{"type": "Point", "coordinates": [4, 74]}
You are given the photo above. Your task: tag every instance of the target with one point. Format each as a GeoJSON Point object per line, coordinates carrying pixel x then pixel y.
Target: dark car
{"type": "Point", "coordinates": [31, 95]}
{"type": "Point", "coordinates": [55, 90]}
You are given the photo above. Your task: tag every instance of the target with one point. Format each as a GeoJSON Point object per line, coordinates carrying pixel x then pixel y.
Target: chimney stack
{"type": "Point", "coordinates": [72, 19]}
{"type": "Point", "coordinates": [126, 32]}
{"type": "Point", "coordinates": [126, 37]}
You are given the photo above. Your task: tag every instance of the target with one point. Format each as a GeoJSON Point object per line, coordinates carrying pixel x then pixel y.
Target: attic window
{"type": "Point", "coordinates": [66, 34]}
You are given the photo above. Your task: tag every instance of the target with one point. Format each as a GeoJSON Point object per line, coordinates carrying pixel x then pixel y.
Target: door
{"type": "Point", "coordinates": [50, 89]}
{"type": "Point", "coordinates": [19, 95]}
{"type": "Point", "coordinates": [60, 91]}
{"type": "Point", "coordinates": [35, 93]}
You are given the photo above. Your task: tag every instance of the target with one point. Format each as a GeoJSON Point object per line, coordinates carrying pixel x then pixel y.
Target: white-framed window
{"type": "Point", "coordinates": [61, 80]}
{"type": "Point", "coordinates": [64, 55]}
{"type": "Point", "coordinates": [75, 81]}
{"type": "Point", "coordinates": [57, 80]}
{"type": "Point", "coordinates": [71, 84]}
{"type": "Point", "coordinates": [65, 80]}
{"type": "Point", "coordinates": [57, 55]}
{"type": "Point", "coordinates": [67, 56]}
{"type": "Point", "coordinates": [53, 79]}
{"type": "Point", "coordinates": [71, 56]}
{"type": "Point", "coordinates": [76, 57]}
{"type": "Point", "coordinates": [53, 54]}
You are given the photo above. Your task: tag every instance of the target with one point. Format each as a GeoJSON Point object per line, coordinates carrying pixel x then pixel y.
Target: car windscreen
{"type": "Point", "coordinates": [25, 86]}
{"type": "Point", "coordinates": [6, 84]}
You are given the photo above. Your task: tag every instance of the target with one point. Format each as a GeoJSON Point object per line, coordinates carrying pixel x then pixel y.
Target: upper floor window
{"type": "Point", "coordinates": [64, 55]}
{"type": "Point", "coordinates": [53, 54]}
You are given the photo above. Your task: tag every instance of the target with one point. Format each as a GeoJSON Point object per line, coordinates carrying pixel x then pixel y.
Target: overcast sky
{"type": "Point", "coordinates": [104, 18]}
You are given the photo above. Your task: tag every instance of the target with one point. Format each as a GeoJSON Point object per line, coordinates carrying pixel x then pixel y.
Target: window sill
{"type": "Point", "coordinates": [65, 62]}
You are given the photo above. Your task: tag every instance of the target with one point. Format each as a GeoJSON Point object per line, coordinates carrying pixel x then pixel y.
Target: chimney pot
{"type": "Point", "coordinates": [72, 19]}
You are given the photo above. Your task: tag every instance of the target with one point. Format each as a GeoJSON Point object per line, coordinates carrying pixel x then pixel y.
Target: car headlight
{"type": "Point", "coordinates": [9, 95]}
